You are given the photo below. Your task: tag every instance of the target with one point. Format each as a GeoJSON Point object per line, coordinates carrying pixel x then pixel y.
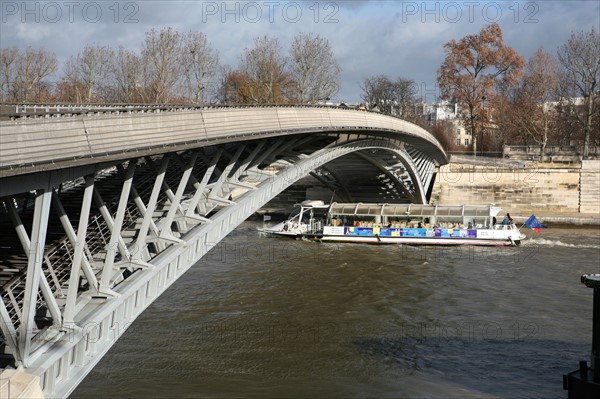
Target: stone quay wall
{"type": "Point", "coordinates": [522, 188]}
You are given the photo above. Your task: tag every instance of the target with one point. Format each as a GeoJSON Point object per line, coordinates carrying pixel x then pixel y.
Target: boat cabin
{"type": "Point", "coordinates": [414, 216]}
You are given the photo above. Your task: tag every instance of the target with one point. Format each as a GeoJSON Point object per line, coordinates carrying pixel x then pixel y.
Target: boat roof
{"type": "Point", "coordinates": [407, 210]}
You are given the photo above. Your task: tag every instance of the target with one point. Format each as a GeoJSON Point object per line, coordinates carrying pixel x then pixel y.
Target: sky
{"type": "Point", "coordinates": [396, 38]}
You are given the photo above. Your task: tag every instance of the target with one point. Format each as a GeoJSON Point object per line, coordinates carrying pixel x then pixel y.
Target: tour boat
{"type": "Point", "coordinates": [411, 224]}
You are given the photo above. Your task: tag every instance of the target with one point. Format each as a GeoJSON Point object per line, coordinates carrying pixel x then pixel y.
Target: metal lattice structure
{"type": "Point", "coordinates": [103, 209]}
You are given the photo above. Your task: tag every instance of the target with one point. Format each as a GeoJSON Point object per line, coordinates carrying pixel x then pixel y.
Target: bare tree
{"type": "Point", "coordinates": [233, 87]}
{"type": "Point", "coordinates": [390, 97]}
{"type": "Point", "coordinates": [314, 69]}
{"type": "Point", "coordinates": [91, 69]}
{"type": "Point", "coordinates": [529, 112]}
{"type": "Point", "coordinates": [378, 92]}
{"type": "Point", "coordinates": [161, 56]}
{"type": "Point", "coordinates": [405, 91]}
{"type": "Point", "coordinates": [8, 60]}
{"type": "Point", "coordinates": [472, 69]}
{"type": "Point", "coordinates": [32, 67]}
{"type": "Point", "coordinates": [266, 78]}
{"type": "Point", "coordinates": [128, 80]}
{"type": "Point", "coordinates": [200, 63]}
{"type": "Point", "coordinates": [580, 60]}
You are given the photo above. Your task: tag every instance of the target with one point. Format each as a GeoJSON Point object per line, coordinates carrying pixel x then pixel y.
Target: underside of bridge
{"type": "Point", "coordinates": [88, 246]}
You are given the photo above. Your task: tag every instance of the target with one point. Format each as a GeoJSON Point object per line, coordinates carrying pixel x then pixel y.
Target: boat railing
{"type": "Point", "coordinates": [316, 226]}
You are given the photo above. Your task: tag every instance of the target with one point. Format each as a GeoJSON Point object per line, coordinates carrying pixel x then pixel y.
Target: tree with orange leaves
{"type": "Point", "coordinates": [473, 68]}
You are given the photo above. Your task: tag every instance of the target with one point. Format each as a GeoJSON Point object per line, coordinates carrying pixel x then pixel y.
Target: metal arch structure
{"type": "Point", "coordinates": [394, 170]}
{"type": "Point", "coordinates": [100, 216]}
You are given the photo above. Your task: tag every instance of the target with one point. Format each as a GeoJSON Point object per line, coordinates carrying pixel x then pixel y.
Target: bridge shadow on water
{"type": "Point", "coordinates": [518, 368]}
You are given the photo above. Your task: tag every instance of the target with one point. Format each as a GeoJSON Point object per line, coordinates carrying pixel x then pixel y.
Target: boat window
{"type": "Point", "coordinates": [305, 216]}
{"type": "Point", "coordinates": [368, 210]}
{"type": "Point", "coordinates": [454, 211]}
{"type": "Point", "coordinates": [395, 210]}
{"type": "Point", "coordinates": [428, 211]}
{"type": "Point", "coordinates": [294, 213]}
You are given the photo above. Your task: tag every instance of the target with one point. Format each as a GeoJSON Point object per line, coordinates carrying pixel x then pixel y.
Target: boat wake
{"type": "Point", "coordinates": [555, 243]}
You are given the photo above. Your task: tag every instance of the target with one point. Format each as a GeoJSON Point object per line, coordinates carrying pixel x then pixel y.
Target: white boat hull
{"type": "Point", "coordinates": [419, 241]}
{"type": "Point", "coordinates": [410, 236]}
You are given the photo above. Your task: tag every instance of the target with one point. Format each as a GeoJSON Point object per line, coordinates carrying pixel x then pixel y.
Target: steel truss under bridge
{"type": "Point", "coordinates": [89, 242]}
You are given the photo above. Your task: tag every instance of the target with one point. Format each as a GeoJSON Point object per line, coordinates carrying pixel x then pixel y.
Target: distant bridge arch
{"type": "Point", "coordinates": [103, 208]}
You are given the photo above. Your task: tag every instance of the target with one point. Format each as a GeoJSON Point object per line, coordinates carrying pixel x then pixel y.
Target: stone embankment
{"type": "Point", "coordinates": [556, 193]}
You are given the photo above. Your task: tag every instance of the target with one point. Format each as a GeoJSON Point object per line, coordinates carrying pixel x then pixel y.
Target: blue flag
{"type": "Point", "coordinates": [534, 223]}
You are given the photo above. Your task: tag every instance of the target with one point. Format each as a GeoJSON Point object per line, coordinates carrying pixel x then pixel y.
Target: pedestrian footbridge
{"type": "Point", "coordinates": [103, 208]}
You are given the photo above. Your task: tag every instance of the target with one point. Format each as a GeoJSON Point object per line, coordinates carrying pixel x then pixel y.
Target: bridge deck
{"type": "Point", "coordinates": [57, 142]}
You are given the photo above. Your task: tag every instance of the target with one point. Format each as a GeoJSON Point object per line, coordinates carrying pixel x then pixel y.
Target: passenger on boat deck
{"type": "Point", "coordinates": [470, 226]}
{"type": "Point", "coordinates": [507, 219]}
{"type": "Point", "coordinates": [389, 224]}
{"type": "Point", "coordinates": [494, 221]}
{"type": "Point", "coordinates": [357, 223]}
{"type": "Point", "coordinates": [420, 225]}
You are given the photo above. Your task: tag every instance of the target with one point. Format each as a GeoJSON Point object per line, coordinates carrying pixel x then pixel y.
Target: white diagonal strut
{"type": "Point", "coordinates": [201, 188]}
{"type": "Point", "coordinates": [107, 271]}
{"type": "Point", "coordinates": [34, 271]}
{"type": "Point", "coordinates": [78, 256]}
{"type": "Point", "coordinates": [175, 203]}
{"type": "Point", "coordinates": [140, 244]}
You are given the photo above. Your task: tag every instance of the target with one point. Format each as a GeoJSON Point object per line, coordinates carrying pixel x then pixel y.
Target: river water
{"type": "Point", "coordinates": [262, 317]}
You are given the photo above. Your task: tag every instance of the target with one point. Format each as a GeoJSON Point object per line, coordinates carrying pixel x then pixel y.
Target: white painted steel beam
{"type": "Point", "coordinates": [166, 231]}
{"type": "Point", "coordinates": [115, 236]}
{"type": "Point", "coordinates": [10, 333]}
{"type": "Point", "coordinates": [141, 243]}
{"type": "Point", "coordinates": [35, 257]}
{"type": "Point", "coordinates": [216, 193]}
{"type": "Point", "coordinates": [73, 237]}
{"type": "Point", "coordinates": [79, 260]}
{"type": "Point", "coordinates": [170, 196]}
{"type": "Point", "coordinates": [138, 200]}
{"type": "Point", "coordinates": [26, 245]}
{"type": "Point", "coordinates": [201, 191]}
{"type": "Point", "coordinates": [109, 221]}
{"type": "Point", "coordinates": [190, 217]}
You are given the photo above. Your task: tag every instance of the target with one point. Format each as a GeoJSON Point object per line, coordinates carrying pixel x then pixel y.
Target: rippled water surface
{"type": "Point", "coordinates": [270, 318]}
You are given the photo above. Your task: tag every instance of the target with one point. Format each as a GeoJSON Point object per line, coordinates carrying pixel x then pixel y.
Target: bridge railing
{"type": "Point", "coordinates": [28, 111]}
{"type": "Point", "coordinates": [549, 154]}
